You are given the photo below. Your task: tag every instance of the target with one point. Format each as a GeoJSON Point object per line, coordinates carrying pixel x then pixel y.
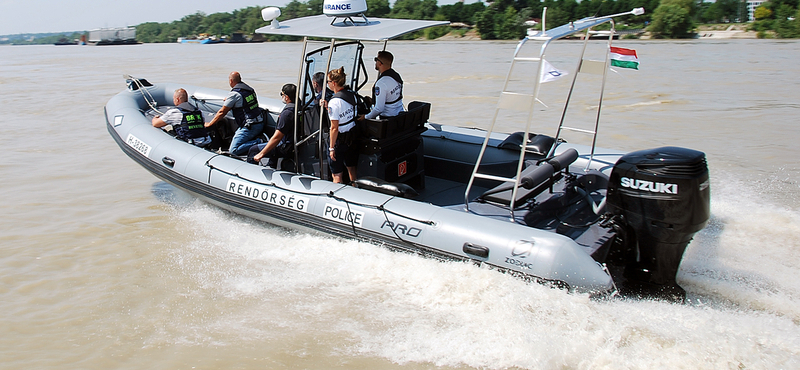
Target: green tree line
{"type": "Point", "coordinates": [40, 38]}
{"type": "Point", "coordinates": [247, 20]}
{"type": "Point", "coordinates": [678, 18]}
{"type": "Point", "coordinates": [503, 19]}
{"type": "Point", "coordinates": [780, 16]}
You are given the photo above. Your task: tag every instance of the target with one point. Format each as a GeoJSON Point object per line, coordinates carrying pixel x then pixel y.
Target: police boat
{"type": "Point", "coordinates": [578, 217]}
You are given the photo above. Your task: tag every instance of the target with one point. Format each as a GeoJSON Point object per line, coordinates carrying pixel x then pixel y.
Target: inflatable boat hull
{"type": "Point", "coordinates": [310, 204]}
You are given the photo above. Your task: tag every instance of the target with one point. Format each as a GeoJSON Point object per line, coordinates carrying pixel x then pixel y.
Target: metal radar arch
{"type": "Point", "coordinates": [525, 102]}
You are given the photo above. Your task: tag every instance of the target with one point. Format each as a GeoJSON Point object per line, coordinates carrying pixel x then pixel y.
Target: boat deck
{"type": "Point", "coordinates": [445, 193]}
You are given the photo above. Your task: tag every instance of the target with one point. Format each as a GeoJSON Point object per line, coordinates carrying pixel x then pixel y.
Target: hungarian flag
{"type": "Point", "coordinates": [624, 58]}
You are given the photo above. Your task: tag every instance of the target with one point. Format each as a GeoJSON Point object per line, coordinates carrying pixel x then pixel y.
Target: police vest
{"type": "Point", "coordinates": [249, 111]}
{"type": "Point", "coordinates": [396, 77]}
{"type": "Point", "coordinates": [351, 98]}
{"type": "Point", "coordinates": [191, 126]}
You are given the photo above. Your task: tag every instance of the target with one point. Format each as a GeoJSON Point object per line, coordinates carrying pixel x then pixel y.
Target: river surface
{"type": "Point", "coordinates": [103, 266]}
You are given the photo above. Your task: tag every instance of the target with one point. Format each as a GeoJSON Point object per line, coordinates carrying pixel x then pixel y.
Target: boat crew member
{"type": "Point", "coordinates": [317, 82]}
{"type": "Point", "coordinates": [248, 115]}
{"type": "Point", "coordinates": [387, 93]}
{"type": "Point", "coordinates": [342, 148]}
{"type": "Point", "coordinates": [186, 120]}
{"type": "Point", "coordinates": [281, 144]}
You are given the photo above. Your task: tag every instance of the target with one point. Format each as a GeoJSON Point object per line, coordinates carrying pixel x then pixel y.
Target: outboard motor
{"type": "Point", "coordinates": [663, 196]}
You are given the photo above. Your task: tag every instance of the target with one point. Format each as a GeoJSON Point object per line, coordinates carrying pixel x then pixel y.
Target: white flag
{"type": "Point", "coordinates": [550, 73]}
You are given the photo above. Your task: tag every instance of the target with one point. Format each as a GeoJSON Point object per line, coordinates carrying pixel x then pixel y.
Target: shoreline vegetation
{"type": "Point", "coordinates": [500, 20]}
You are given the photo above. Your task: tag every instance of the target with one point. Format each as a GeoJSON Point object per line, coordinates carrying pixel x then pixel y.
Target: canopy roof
{"type": "Point", "coordinates": [376, 29]}
{"type": "Point", "coordinates": [571, 28]}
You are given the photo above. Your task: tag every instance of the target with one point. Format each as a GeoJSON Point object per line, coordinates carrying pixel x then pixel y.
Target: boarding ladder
{"type": "Point", "coordinates": [526, 102]}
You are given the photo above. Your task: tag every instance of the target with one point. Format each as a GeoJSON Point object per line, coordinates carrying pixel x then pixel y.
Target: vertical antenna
{"type": "Point", "coordinates": [544, 21]}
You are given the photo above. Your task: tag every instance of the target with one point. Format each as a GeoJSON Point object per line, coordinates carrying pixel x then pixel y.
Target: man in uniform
{"type": "Point", "coordinates": [186, 120]}
{"type": "Point", "coordinates": [387, 94]}
{"type": "Point", "coordinates": [280, 145]}
{"type": "Point", "coordinates": [248, 115]}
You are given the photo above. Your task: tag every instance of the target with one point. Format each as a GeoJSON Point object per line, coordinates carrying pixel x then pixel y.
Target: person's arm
{"type": "Point", "coordinates": [272, 144]}
{"type": "Point", "coordinates": [171, 115]}
{"type": "Point", "coordinates": [219, 116]}
{"type": "Point", "coordinates": [334, 135]}
{"type": "Point", "coordinates": [158, 122]}
{"type": "Point", "coordinates": [227, 104]}
{"type": "Point", "coordinates": [380, 101]}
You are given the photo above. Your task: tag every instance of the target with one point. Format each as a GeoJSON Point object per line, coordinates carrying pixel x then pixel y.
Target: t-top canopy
{"type": "Point", "coordinates": [376, 29]}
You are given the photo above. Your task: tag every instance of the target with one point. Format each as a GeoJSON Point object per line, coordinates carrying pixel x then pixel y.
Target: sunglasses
{"type": "Point", "coordinates": [378, 60]}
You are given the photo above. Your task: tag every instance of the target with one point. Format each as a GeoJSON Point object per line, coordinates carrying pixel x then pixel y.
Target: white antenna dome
{"type": "Point", "coordinates": [344, 8]}
{"type": "Point", "coordinates": [271, 14]}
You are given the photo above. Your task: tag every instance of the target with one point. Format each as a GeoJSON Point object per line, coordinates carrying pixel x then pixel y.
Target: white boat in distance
{"type": "Point", "coordinates": [578, 217]}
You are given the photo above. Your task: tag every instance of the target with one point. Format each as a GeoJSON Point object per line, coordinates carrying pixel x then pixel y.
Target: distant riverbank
{"type": "Point", "coordinates": [737, 31]}
{"type": "Point", "coordinates": [718, 31]}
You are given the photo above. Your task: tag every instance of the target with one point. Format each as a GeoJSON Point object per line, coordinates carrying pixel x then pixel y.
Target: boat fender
{"type": "Point", "coordinates": [385, 187]}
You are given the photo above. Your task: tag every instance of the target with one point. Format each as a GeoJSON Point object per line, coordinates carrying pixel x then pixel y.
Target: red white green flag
{"type": "Point", "coordinates": [624, 58]}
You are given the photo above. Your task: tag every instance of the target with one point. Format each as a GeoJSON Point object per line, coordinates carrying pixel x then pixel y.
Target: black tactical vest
{"type": "Point", "coordinates": [350, 97]}
{"type": "Point", "coordinates": [249, 110]}
{"type": "Point", "coordinates": [191, 126]}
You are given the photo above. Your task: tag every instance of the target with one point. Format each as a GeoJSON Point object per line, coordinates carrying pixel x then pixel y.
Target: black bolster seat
{"type": "Point", "coordinates": [533, 180]}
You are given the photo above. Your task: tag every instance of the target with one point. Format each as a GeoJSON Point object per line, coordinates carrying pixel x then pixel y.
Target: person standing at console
{"type": "Point", "coordinates": [342, 149]}
{"type": "Point", "coordinates": [248, 115]}
{"type": "Point", "coordinates": [387, 94]}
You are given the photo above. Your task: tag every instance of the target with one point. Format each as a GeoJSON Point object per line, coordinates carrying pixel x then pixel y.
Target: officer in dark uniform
{"type": "Point", "coordinates": [281, 144]}
{"type": "Point", "coordinates": [248, 115]}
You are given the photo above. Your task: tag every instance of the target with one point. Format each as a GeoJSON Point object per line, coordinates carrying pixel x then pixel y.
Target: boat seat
{"type": "Point", "coordinates": [533, 180]}
{"type": "Point", "coordinates": [384, 132]}
{"type": "Point", "coordinates": [385, 187]}
{"type": "Point", "coordinates": [537, 143]}
{"type": "Point", "coordinates": [391, 149]}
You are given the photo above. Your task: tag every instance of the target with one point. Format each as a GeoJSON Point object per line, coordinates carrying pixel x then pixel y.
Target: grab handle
{"type": "Point", "coordinates": [169, 162]}
{"type": "Point", "coordinates": [476, 250]}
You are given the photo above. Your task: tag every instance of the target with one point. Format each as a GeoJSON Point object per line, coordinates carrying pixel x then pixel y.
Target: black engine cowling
{"type": "Point", "coordinates": [663, 196]}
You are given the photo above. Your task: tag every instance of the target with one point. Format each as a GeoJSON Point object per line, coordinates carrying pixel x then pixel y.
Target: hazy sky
{"type": "Point", "coordinates": [39, 16]}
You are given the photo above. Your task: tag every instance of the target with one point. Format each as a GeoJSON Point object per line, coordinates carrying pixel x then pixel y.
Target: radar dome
{"type": "Point", "coordinates": [344, 8]}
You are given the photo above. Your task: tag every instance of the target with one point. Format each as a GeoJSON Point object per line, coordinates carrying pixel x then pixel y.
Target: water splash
{"type": "Point", "coordinates": [364, 301]}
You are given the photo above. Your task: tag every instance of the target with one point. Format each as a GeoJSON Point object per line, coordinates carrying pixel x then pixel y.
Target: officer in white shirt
{"type": "Point", "coordinates": [387, 94]}
{"type": "Point", "coordinates": [343, 149]}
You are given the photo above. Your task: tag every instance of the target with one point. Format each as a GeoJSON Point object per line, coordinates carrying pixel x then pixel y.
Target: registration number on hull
{"type": "Point", "coordinates": [139, 145]}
